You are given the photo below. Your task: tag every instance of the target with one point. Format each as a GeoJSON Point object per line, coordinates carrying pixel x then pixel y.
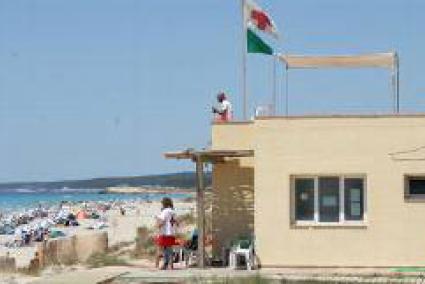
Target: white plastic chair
{"type": "Point", "coordinates": [241, 249]}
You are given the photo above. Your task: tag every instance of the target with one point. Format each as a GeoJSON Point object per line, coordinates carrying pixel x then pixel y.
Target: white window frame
{"type": "Point", "coordinates": [342, 221]}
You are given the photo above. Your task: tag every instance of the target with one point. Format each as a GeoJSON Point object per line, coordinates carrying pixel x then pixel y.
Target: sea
{"type": "Point", "coordinates": [15, 201]}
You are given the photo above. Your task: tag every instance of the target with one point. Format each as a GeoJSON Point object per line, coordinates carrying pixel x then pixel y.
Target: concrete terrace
{"type": "Point", "coordinates": [133, 274]}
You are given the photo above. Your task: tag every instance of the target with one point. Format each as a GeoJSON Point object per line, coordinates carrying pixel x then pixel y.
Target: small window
{"type": "Point", "coordinates": [304, 199]}
{"type": "Point", "coordinates": [415, 187]}
{"type": "Point", "coordinates": [328, 199]}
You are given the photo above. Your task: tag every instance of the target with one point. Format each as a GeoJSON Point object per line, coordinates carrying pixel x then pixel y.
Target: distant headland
{"type": "Point", "coordinates": [182, 180]}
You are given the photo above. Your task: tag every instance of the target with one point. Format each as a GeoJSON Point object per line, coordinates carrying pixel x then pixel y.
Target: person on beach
{"type": "Point", "coordinates": [223, 110]}
{"type": "Point", "coordinates": [167, 223]}
{"type": "Point", "coordinates": [18, 237]}
{"type": "Point", "coordinates": [122, 211]}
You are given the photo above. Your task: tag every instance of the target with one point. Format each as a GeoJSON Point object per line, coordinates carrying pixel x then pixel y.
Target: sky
{"type": "Point", "coordinates": [104, 87]}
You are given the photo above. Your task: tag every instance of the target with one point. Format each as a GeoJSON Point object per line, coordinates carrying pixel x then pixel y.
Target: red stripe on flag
{"type": "Point", "coordinates": [261, 20]}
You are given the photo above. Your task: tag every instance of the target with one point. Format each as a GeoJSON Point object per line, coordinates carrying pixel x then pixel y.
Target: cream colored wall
{"type": "Point", "coordinates": [394, 234]}
{"type": "Point", "coordinates": [232, 135]}
{"type": "Point", "coordinates": [233, 186]}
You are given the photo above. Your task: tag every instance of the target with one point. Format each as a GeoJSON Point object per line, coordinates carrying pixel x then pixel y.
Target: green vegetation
{"type": "Point", "coordinates": [257, 279]}
{"type": "Point", "coordinates": [187, 219]}
{"type": "Point", "coordinates": [145, 245]}
{"type": "Point", "coordinates": [103, 259]}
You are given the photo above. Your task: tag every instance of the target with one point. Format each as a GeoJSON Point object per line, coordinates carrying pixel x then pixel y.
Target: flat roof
{"type": "Point", "coordinates": [389, 115]}
{"type": "Point", "coordinates": [308, 116]}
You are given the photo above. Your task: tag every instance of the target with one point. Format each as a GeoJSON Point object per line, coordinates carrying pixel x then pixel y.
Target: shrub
{"type": "Point", "coordinates": [103, 259]}
{"type": "Point", "coordinates": [188, 219]}
{"type": "Point", "coordinates": [145, 245]}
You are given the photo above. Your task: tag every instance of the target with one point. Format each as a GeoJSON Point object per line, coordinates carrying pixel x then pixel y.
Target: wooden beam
{"type": "Point", "coordinates": [226, 153]}
{"type": "Point", "coordinates": [209, 155]}
{"type": "Point", "coordinates": [200, 210]}
{"type": "Point", "coordinates": [178, 155]}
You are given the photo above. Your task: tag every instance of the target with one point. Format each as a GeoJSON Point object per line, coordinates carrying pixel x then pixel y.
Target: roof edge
{"type": "Point", "coordinates": [411, 115]}
{"type": "Point", "coordinates": [235, 122]}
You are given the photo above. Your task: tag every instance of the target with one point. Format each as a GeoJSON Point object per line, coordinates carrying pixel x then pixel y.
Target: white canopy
{"type": "Point", "coordinates": [388, 60]}
{"type": "Point", "coordinates": [382, 60]}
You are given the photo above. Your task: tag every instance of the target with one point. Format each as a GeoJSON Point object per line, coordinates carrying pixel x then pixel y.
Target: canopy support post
{"type": "Point", "coordinates": [274, 95]}
{"type": "Point", "coordinates": [200, 211]}
{"type": "Point", "coordinates": [395, 85]}
{"type": "Point", "coordinates": [286, 90]}
{"type": "Point", "coordinates": [397, 82]}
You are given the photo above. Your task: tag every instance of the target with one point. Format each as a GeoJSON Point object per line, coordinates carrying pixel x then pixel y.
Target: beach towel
{"type": "Point", "coordinates": [55, 234]}
{"type": "Point", "coordinates": [82, 215]}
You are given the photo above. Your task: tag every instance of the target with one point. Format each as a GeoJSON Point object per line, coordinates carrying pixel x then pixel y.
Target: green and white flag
{"type": "Point", "coordinates": [256, 45]}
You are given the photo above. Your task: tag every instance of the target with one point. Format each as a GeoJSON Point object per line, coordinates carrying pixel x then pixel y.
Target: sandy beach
{"type": "Point", "coordinates": [119, 228]}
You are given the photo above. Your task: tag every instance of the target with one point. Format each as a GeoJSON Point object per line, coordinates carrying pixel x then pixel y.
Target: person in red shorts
{"type": "Point", "coordinates": [167, 223]}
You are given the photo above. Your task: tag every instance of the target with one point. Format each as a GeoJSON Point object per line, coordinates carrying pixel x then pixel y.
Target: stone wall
{"type": "Point", "coordinates": [73, 249]}
{"type": "Point", "coordinates": [7, 264]}
{"type": "Point", "coordinates": [233, 187]}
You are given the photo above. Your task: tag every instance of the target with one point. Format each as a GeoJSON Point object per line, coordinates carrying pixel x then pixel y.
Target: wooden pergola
{"type": "Point", "coordinates": [200, 158]}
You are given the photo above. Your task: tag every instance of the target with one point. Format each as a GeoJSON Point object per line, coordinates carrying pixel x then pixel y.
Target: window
{"type": "Point", "coordinates": [353, 201]}
{"type": "Point", "coordinates": [304, 199]}
{"type": "Point", "coordinates": [329, 199]}
{"type": "Point", "coordinates": [415, 187]}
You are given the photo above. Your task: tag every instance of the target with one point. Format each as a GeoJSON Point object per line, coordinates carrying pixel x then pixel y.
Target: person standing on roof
{"type": "Point", "coordinates": [223, 110]}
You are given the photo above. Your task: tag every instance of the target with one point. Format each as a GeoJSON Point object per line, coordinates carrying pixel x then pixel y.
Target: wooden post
{"type": "Point", "coordinates": [200, 210]}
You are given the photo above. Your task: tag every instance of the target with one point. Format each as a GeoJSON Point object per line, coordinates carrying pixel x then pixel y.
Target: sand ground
{"type": "Point", "coordinates": [120, 228]}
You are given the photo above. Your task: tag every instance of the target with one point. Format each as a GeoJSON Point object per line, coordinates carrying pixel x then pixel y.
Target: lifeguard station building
{"type": "Point", "coordinates": [335, 190]}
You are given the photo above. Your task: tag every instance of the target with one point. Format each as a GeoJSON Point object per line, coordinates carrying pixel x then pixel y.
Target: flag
{"type": "Point", "coordinates": [257, 17]}
{"type": "Point", "coordinates": [256, 45]}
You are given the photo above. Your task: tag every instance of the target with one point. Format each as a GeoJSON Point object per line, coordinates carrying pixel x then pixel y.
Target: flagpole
{"type": "Point", "coordinates": [244, 55]}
